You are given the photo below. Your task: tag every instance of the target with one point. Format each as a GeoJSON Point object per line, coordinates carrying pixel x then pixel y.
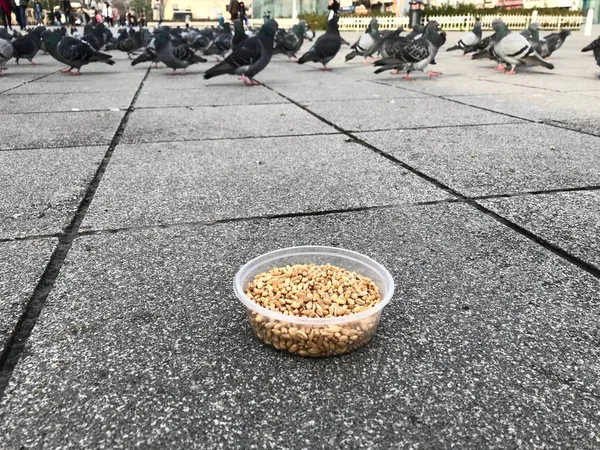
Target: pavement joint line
{"type": "Point", "coordinates": [192, 107]}
{"type": "Point", "coordinates": [18, 339]}
{"type": "Point", "coordinates": [239, 138]}
{"type": "Point", "coordinates": [547, 122]}
{"type": "Point", "coordinates": [31, 237]}
{"type": "Point", "coordinates": [27, 82]}
{"type": "Point", "coordinates": [265, 217]}
{"type": "Point", "coordinates": [435, 127]}
{"type": "Point", "coordinates": [575, 260]}
{"type": "Point", "coordinates": [61, 111]}
{"type": "Point", "coordinates": [539, 192]}
{"type": "Point", "coordinates": [53, 147]}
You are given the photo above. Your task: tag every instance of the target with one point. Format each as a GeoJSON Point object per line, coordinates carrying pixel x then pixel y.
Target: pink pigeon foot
{"type": "Point", "coordinates": [75, 74]}
{"type": "Point", "coordinates": [34, 63]}
{"type": "Point", "coordinates": [433, 74]}
{"type": "Point", "coordinates": [500, 67]}
{"type": "Point", "coordinates": [66, 70]}
{"type": "Point", "coordinates": [512, 72]}
{"type": "Point", "coordinates": [325, 69]}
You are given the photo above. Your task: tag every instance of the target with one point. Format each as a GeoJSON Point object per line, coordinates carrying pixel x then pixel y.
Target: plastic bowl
{"type": "Point", "coordinates": [309, 336]}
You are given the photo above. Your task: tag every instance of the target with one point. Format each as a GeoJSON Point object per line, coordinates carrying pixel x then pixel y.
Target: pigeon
{"type": "Point", "coordinates": [128, 45]}
{"type": "Point", "coordinates": [73, 52]}
{"type": "Point", "coordinates": [239, 35]}
{"type": "Point", "coordinates": [250, 57]}
{"type": "Point", "coordinates": [416, 33]}
{"type": "Point", "coordinates": [480, 46]}
{"type": "Point", "coordinates": [326, 46]}
{"type": "Point", "coordinates": [514, 49]}
{"type": "Point", "coordinates": [175, 54]}
{"type": "Point", "coordinates": [470, 39]}
{"type": "Point", "coordinates": [390, 39]}
{"type": "Point", "coordinates": [28, 45]}
{"type": "Point", "coordinates": [553, 42]}
{"type": "Point", "coordinates": [148, 55]}
{"type": "Point", "coordinates": [221, 44]}
{"type": "Point", "coordinates": [595, 46]}
{"type": "Point", "coordinates": [94, 36]}
{"type": "Point", "coordinates": [367, 44]}
{"type": "Point", "coordinates": [417, 54]}
{"type": "Point", "coordinates": [290, 42]}
{"type": "Point", "coordinates": [6, 53]}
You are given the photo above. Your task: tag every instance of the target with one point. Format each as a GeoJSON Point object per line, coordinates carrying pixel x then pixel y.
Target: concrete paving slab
{"type": "Point", "coordinates": [147, 125]}
{"type": "Point", "coordinates": [92, 85]}
{"type": "Point", "coordinates": [153, 96]}
{"type": "Point", "coordinates": [41, 189]}
{"type": "Point", "coordinates": [64, 102]}
{"type": "Point", "coordinates": [65, 129]}
{"type": "Point", "coordinates": [591, 126]}
{"type": "Point", "coordinates": [361, 115]}
{"type": "Point", "coordinates": [498, 159]}
{"type": "Point", "coordinates": [486, 328]}
{"type": "Point", "coordinates": [192, 181]}
{"type": "Point", "coordinates": [21, 265]}
{"type": "Point", "coordinates": [567, 219]}
{"type": "Point", "coordinates": [541, 106]}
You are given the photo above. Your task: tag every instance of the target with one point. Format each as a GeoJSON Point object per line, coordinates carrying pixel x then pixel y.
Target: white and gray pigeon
{"type": "Point", "coordinates": [250, 57]}
{"type": "Point", "coordinates": [514, 49]}
{"type": "Point", "coordinates": [471, 39]}
{"type": "Point", "coordinates": [6, 53]}
{"type": "Point", "coordinates": [417, 54]}
{"type": "Point", "coordinates": [367, 44]}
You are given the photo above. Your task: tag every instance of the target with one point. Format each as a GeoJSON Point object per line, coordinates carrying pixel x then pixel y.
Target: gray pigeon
{"type": "Point", "coordinates": [471, 39]}
{"type": "Point", "coordinates": [6, 53]}
{"type": "Point", "coordinates": [367, 44]}
{"type": "Point", "coordinates": [221, 44]}
{"type": "Point", "coordinates": [289, 43]}
{"type": "Point", "coordinates": [176, 57]}
{"type": "Point", "coordinates": [514, 49]}
{"type": "Point", "coordinates": [417, 54]}
{"type": "Point", "coordinates": [595, 47]}
{"type": "Point", "coordinates": [250, 57]}
{"type": "Point", "coordinates": [326, 46]}
{"type": "Point", "coordinates": [73, 52]}
{"type": "Point", "coordinates": [553, 42]}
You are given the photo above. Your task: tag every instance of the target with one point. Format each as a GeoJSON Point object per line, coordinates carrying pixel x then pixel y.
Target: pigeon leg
{"type": "Point", "coordinates": [500, 67]}
{"type": "Point", "coordinates": [395, 72]}
{"type": "Point", "coordinates": [246, 81]}
{"type": "Point", "coordinates": [34, 63]}
{"type": "Point", "coordinates": [365, 62]}
{"type": "Point", "coordinates": [407, 78]}
{"type": "Point", "coordinates": [172, 73]}
{"type": "Point", "coordinates": [76, 74]}
{"type": "Point", "coordinates": [512, 71]}
{"type": "Point", "coordinates": [184, 72]}
{"type": "Point", "coordinates": [254, 82]}
{"type": "Point", "coordinates": [326, 69]}
{"type": "Point", "coordinates": [155, 66]}
{"type": "Point", "coordinates": [66, 70]}
{"type": "Point", "coordinates": [373, 58]}
{"type": "Point", "coordinates": [433, 74]}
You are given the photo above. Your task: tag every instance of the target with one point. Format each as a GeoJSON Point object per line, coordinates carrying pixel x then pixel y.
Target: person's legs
{"type": "Point", "coordinates": [22, 19]}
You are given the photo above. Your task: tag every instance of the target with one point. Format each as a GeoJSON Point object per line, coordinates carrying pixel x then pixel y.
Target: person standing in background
{"type": "Point", "coordinates": [242, 13]}
{"type": "Point", "coordinates": [5, 14]}
{"type": "Point", "coordinates": [38, 12]}
{"type": "Point", "coordinates": [109, 10]}
{"type": "Point", "coordinates": [234, 8]}
{"type": "Point", "coordinates": [20, 13]}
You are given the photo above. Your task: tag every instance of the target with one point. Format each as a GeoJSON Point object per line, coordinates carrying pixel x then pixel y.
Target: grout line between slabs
{"type": "Point", "coordinates": [20, 335]}
{"type": "Point", "coordinates": [575, 260]}
{"type": "Point", "coordinates": [28, 82]}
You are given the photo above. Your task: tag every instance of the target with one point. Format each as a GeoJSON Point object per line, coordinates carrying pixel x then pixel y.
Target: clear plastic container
{"type": "Point", "coordinates": [309, 336]}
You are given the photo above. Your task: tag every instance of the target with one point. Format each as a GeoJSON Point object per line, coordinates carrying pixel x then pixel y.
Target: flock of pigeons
{"type": "Point", "coordinates": [250, 51]}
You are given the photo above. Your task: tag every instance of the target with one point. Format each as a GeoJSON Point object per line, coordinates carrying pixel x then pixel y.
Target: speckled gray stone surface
{"type": "Point", "coordinates": [213, 180]}
{"type": "Point", "coordinates": [499, 159]}
{"type": "Point", "coordinates": [65, 101]}
{"type": "Point", "coordinates": [488, 342]}
{"type": "Point", "coordinates": [69, 129]}
{"type": "Point", "coordinates": [42, 188]}
{"type": "Point", "coordinates": [148, 125]}
{"type": "Point", "coordinates": [591, 126]}
{"type": "Point", "coordinates": [21, 265]}
{"type": "Point", "coordinates": [567, 219]}
{"type": "Point", "coordinates": [382, 114]}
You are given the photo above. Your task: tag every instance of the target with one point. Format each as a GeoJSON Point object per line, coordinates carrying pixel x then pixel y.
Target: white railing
{"type": "Point", "coordinates": [447, 23]}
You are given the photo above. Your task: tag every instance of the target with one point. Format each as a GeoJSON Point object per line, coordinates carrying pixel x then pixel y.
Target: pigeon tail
{"type": "Point", "coordinates": [456, 47]}
{"type": "Point", "coordinates": [144, 57]}
{"type": "Point", "coordinates": [588, 48]}
{"type": "Point", "coordinates": [483, 54]}
{"type": "Point", "coordinates": [308, 57]}
{"type": "Point", "coordinates": [222, 68]}
{"type": "Point", "coordinates": [538, 61]}
{"type": "Point", "coordinates": [102, 57]}
{"type": "Point", "coordinates": [350, 56]}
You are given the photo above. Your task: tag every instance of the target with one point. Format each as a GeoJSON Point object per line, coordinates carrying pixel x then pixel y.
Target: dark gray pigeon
{"type": "Point", "coordinates": [595, 46]}
{"type": "Point", "coordinates": [221, 44]}
{"type": "Point", "coordinates": [250, 57]}
{"type": "Point", "coordinates": [290, 42]}
{"type": "Point", "coordinates": [27, 46]}
{"type": "Point", "coordinates": [326, 46]}
{"type": "Point", "coordinates": [73, 52]}
{"type": "Point", "coordinates": [239, 35]}
{"type": "Point", "coordinates": [176, 56]}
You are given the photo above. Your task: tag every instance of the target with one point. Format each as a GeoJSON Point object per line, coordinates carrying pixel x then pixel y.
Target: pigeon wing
{"type": "Point", "coordinates": [246, 54]}
{"type": "Point", "coordinates": [327, 45]}
{"type": "Point", "coordinates": [74, 50]}
{"type": "Point", "coordinates": [23, 46]}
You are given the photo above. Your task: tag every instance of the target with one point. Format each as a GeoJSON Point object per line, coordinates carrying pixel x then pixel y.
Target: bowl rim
{"type": "Point", "coordinates": [312, 249]}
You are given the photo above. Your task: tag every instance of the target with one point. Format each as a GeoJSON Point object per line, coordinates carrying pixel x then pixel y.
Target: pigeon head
{"type": "Point", "coordinates": [501, 29]}
{"type": "Point", "coordinates": [161, 41]}
{"type": "Point", "coordinates": [374, 25]}
{"type": "Point", "coordinates": [534, 26]}
{"type": "Point", "coordinates": [227, 27]}
{"type": "Point", "coordinates": [269, 28]}
{"type": "Point", "coordinates": [433, 36]}
{"type": "Point", "coordinates": [51, 39]}
{"type": "Point", "coordinates": [300, 27]}
{"type": "Point", "coordinates": [564, 33]}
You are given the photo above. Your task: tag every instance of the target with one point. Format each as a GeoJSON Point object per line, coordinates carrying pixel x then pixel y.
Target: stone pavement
{"type": "Point", "coordinates": [130, 199]}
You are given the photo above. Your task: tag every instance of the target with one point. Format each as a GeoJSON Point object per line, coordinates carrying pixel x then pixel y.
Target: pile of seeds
{"type": "Point", "coordinates": [313, 291]}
